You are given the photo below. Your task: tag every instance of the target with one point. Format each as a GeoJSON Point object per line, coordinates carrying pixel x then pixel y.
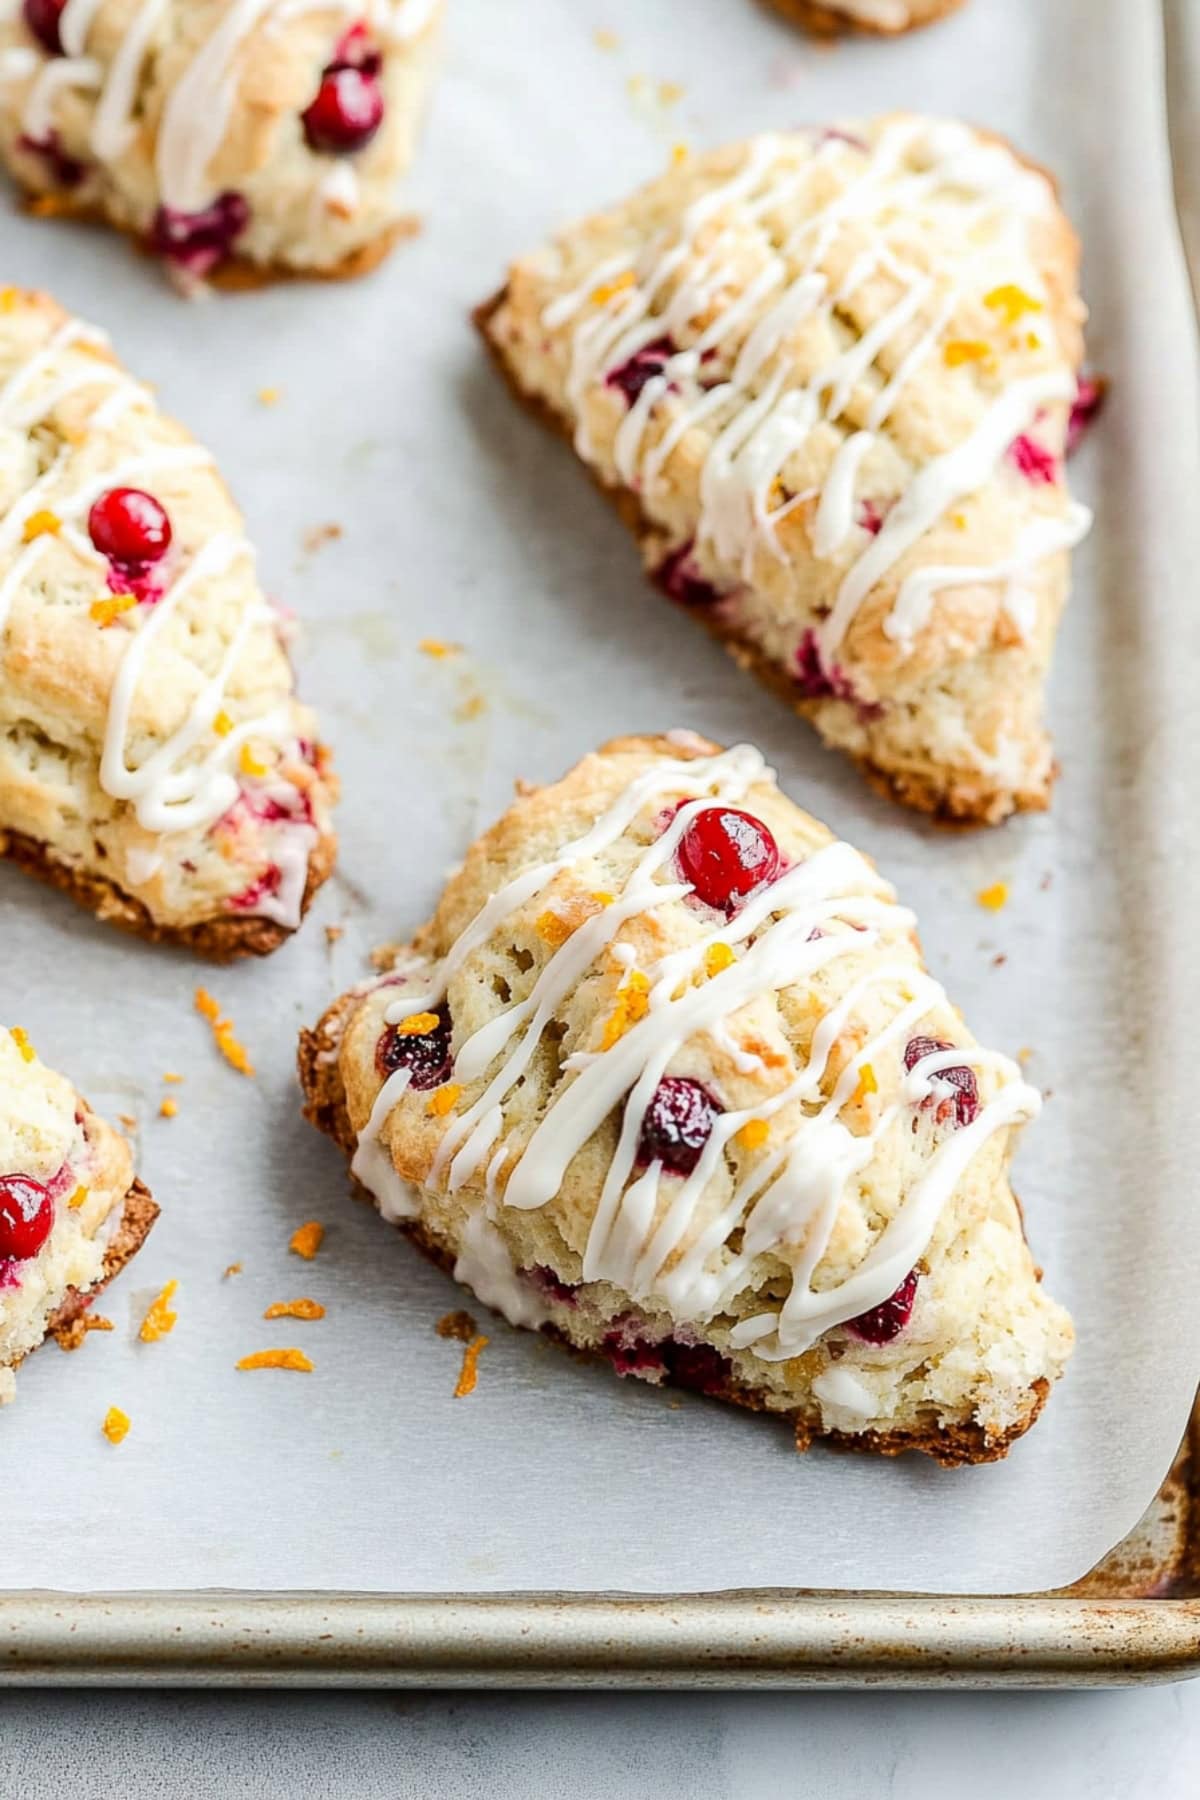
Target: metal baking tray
{"type": "Point", "coordinates": [1135, 1618]}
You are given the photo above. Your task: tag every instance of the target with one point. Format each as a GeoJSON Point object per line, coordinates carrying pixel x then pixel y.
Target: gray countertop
{"type": "Point", "coordinates": [1125, 1745]}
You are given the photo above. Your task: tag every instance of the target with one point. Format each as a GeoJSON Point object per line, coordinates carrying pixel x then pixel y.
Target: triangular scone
{"type": "Point", "coordinates": [827, 18]}
{"type": "Point", "coordinates": [235, 138]}
{"type": "Point", "coordinates": [72, 1213]}
{"type": "Point", "coordinates": [827, 375]}
{"type": "Point", "coordinates": [666, 1076]}
{"type": "Point", "coordinates": [154, 760]}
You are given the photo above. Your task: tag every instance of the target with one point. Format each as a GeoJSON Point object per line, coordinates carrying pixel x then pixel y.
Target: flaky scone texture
{"type": "Point", "coordinates": [50, 1135]}
{"type": "Point", "coordinates": [827, 18]}
{"type": "Point", "coordinates": [154, 760]}
{"type": "Point", "coordinates": [827, 376]}
{"type": "Point", "coordinates": [183, 123]}
{"type": "Point", "coordinates": [703, 1140]}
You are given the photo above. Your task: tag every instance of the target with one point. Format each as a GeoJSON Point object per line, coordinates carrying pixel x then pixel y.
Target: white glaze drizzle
{"type": "Point", "coordinates": [823, 908]}
{"type": "Point", "coordinates": [771, 420]}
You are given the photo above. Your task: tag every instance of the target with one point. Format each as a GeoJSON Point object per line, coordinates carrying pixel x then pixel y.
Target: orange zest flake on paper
{"type": "Point", "coordinates": [21, 1040]}
{"type": "Point", "coordinates": [717, 958]}
{"type": "Point", "coordinates": [277, 1359]}
{"type": "Point", "coordinates": [78, 1198]}
{"type": "Point", "coordinates": [168, 1109]}
{"type": "Point", "coordinates": [10, 299]}
{"type": "Point", "coordinates": [679, 155]}
{"type": "Point", "coordinates": [444, 1100]}
{"type": "Point", "coordinates": [307, 1239]}
{"type": "Point", "coordinates": [438, 648]}
{"type": "Point", "coordinates": [269, 396]}
{"type": "Point", "coordinates": [232, 1269]}
{"type": "Point", "coordinates": [170, 1075]}
{"type": "Point", "coordinates": [994, 897]}
{"type": "Point", "coordinates": [753, 1134]}
{"type": "Point", "coordinates": [295, 1309]}
{"type": "Point", "coordinates": [1012, 301]}
{"type": "Point", "coordinates": [160, 1321]}
{"type": "Point", "coordinates": [608, 290]}
{"type": "Point", "coordinates": [42, 523]}
{"type": "Point", "coordinates": [469, 1373]}
{"type": "Point", "coordinates": [417, 1025]}
{"type": "Point", "coordinates": [222, 1030]}
{"type": "Point", "coordinates": [116, 1425]}
{"type": "Point", "coordinates": [108, 609]}
{"type": "Point", "coordinates": [633, 1003]}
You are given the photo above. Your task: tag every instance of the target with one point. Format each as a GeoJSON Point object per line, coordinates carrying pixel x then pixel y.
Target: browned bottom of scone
{"type": "Point", "coordinates": [238, 274]}
{"type": "Point", "coordinates": [963, 802]}
{"type": "Point", "coordinates": [953, 1446]}
{"type": "Point", "coordinates": [223, 939]}
{"type": "Point", "coordinates": [828, 21]}
{"type": "Point", "coordinates": [138, 1214]}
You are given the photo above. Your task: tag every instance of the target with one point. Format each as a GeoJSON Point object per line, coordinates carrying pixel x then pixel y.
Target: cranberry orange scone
{"type": "Point", "coordinates": [886, 17]}
{"type": "Point", "coordinates": [234, 135]}
{"type": "Point", "coordinates": [154, 760]}
{"type": "Point", "coordinates": [827, 376]}
{"type": "Point", "coordinates": [71, 1211]}
{"type": "Point", "coordinates": [666, 1076]}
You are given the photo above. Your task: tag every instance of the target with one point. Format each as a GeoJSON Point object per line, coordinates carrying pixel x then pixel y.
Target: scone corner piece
{"type": "Point", "coordinates": [155, 760]}
{"type": "Point", "coordinates": [72, 1211]}
{"type": "Point", "coordinates": [827, 377]}
{"type": "Point", "coordinates": [882, 18]}
{"type": "Point", "coordinates": [666, 1077]}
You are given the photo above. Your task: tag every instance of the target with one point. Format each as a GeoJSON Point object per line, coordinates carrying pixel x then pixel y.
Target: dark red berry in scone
{"type": "Point", "coordinates": [346, 113]}
{"type": "Point", "coordinates": [198, 241]}
{"type": "Point", "coordinates": [67, 171]}
{"type": "Point", "coordinates": [129, 527]}
{"type": "Point", "coordinates": [631, 376]}
{"type": "Point", "coordinates": [1036, 463]}
{"type": "Point", "coordinates": [26, 1217]}
{"type": "Point", "coordinates": [1089, 398]}
{"type": "Point", "coordinates": [681, 580]}
{"type": "Point", "coordinates": [887, 1320]}
{"type": "Point", "coordinates": [420, 1046]}
{"type": "Point", "coordinates": [965, 1104]}
{"type": "Point", "coordinates": [726, 854]}
{"type": "Point", "coordinates": [677, 1124]}
{"type": "Point", "coordinates": [42, 18]}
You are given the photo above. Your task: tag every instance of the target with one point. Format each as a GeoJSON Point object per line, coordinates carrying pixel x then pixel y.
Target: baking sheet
{"type": "Point", "coordinates": [461, 520]}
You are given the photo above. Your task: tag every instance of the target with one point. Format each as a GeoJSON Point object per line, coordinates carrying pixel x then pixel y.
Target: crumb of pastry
{"type": "Point", "coordinates": [438, 648]}
{"type": "Point", "coordinates": [459, 1324]}
{"type": "Point", "coordinates": [72, 1335]}
{"type": "Point", "coordinates": [223, 1033]}
{"type": "Point", "coordinates": [160, 1321]}
{"type": "Point", "coordinates": [334, 933]}
{"type": "Point", "coordinates": [604, 39]}
{"type": "Point", "coordinates": [231, 1269]}
{"type": "Point", "coordinates": [469, 1373]}
{"type": "Point", "coordinates": [307, 1239]}
{"type": "Point", "coordinates": [277, 1359]}
{"type": "Point", "coordinates": [295, 1309]}
{"type": "Point", "coordinates": [317, 535]}
{"type": "Point", "coordinates": [116, 1425]}
{"type": "Point", "coordinates": [128, 1121]}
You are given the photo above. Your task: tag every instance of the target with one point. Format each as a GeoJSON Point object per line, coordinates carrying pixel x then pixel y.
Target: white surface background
{"type": "Point", "coordinates": [1101, 1746]}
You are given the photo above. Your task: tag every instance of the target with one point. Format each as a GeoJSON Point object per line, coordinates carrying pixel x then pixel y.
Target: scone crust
{"type": "Point", "coordinates": [948, 722]}
{"type": "Point", "coordinates": [341, 1084]}
{"type": "Point", "coordinates": [236, 876]}
{"type": "Point", "coordinates": [834, 20]}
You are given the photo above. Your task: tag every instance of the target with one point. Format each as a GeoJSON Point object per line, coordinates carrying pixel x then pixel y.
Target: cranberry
{"type": "Point", "coordinates": [695, 1366]}
{"type": "Point", "coordinates": [813, 678]}
{"type": "Point", "coordinates": [347, 111]}
{"type": "Point", "coordinates": [886, 1321]}
{"type": "Point", "coordinates": [965, 1103]}
{"type": "Point", "coordinates": [633, 1355]}
{"type": "Point", "coordinates": [129, 527]}
{"type": "Point", "coordinates": [426, 1055]}
{"type": "Point", "coordinates": [198, 241]}
{"type": "Point", "coordinates": [678, 1123]}
{"type": "Point", "coordinates": [726, 854]}
{"type": "Point", "coordinates": [680, 579]}
{"type": "Point", "coordinates": [1036, 463]}
{"type": "Point", "coordinates": [547, 1283]}
{"type": "Point", "coordinates": [356, 50]}
{"type": "Point", "coordinates": [871, 516]}
{"type": "Point", "coordinates": [42, 18]}
{"type": "Point", "coordinates": [67, 171]}
{"type": "Point", "coordinates": [1089, 398]}
{"type": "Point", "coordinates": [632, 375]}
{"type": "Point", "coordinates": [26, 1216]}
{"type": "Point", "coordinates": [264, 885]}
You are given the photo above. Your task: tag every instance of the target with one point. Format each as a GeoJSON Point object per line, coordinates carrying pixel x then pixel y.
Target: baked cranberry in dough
{"type": "Point", "coordinates": [71, 1211]}
{"type": "Point", "coordinates": [232, 137]}
{"type": "Point", "coordinates": [827, 376]}
{"type": "Point", "coordinates": [752, 1150]}
{"type": "Point", "coordinates": [154, 760]}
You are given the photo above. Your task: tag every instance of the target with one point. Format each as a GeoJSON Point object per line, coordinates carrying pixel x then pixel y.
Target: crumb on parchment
{"type": "Point", "coordinates": [458, 1325]}
{"type": "Point", "coordinates": [307, 1239]}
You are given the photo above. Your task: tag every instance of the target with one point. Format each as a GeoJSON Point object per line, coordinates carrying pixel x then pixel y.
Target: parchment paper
{"type": "Point", "coordinates": [461, 520]}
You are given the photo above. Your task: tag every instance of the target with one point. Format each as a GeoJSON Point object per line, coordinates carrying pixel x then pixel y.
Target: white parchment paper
{"type": "Point", "coordinates": [462, 520]}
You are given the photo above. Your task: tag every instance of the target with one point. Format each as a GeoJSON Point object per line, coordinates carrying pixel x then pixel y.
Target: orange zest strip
{"type": "Point", "coordinates": [116, 1425]}
{"type": "Point", "coordinates": [633, 1003]}
{"type": "Point", "coordinates": [21, 1040]}
{"type": "Point", "coordinates": [994, 897]}
{"type": "Point", "coordinates": [469, 1373]}
{"type": "Point", "coordinates": [222, 1029]}
{"type": "Point", "coordinates": [249, 763]}
{"type": "Point", "coordinates": [438, 647]}
{"type": "Point", "coordinates": [867, 1083]}
{"type": "Point", "coordinates": [233, 1269]}
{"type": "Point", "coordinates": [78, 1198]}
{"type": "Point", "coordinates": [417, 1025]}
{"type": "Point", "coordinates": [306, 1240]}
{"type": "Point", "coordinates": [753, 1134]}
{"type": "Point", "coordinates": [608, 290]}
{"type": "Point", "coordinates": [160, 1321]}
{"type": "Point", "coordinates": [966, 350]}
{"type": "Point", "coordinates": [444, 1100]}
{"type": "Point", "coordinates": [295, 1309]}
{"type": "Point", "coordinates": [552, 928]}
{"type": "Point", "coordinates": [110, 607]}
{"type": "Point", "coordinates": [1012, 301]}
{"type": "Point", "coordinates": [42, 523]}
{"type": "Point", "coordinates": [277, 1359]}
{"type": "Point", "coordinates": [718, 957]}
{"type": "Point", "coordinates": [168, 1109]}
